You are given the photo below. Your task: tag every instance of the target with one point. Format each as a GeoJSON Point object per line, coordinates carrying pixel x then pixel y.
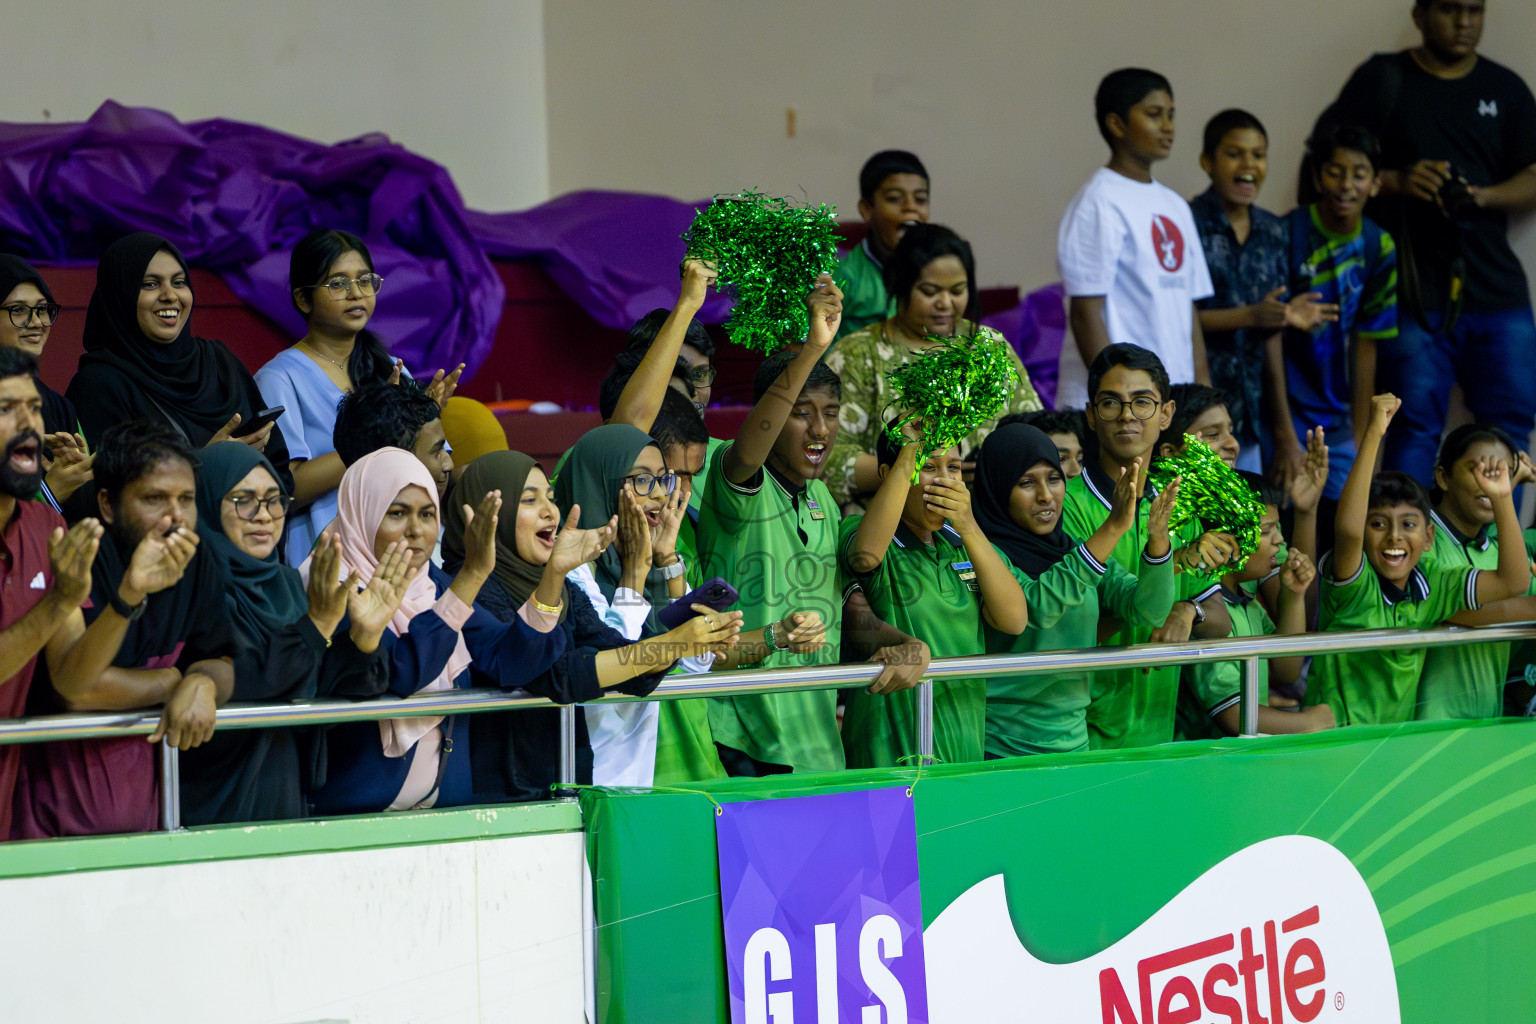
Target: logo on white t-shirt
{"type": "Point", "coordinates": [1168, 241]}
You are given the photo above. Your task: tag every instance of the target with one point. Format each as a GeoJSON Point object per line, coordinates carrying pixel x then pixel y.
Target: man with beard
{"type": "Point", "coordinates": [176, 646]}
{"type": "Point", "coordinates": [45, 573]}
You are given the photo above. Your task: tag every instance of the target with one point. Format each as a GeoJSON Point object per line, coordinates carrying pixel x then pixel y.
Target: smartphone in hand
{"type": "Point", "coordinates": [715, 593]}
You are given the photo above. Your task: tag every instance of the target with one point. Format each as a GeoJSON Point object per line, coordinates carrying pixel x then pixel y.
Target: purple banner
{"type": "Point", "coordinates": [236, 197]}
{"type": "Point", "coordinates": [823, 912]}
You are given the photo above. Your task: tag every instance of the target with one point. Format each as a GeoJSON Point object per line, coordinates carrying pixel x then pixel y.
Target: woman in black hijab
{"type": "Point", "coordinates": [284, 635]}
{"type": "Point", "coordinates": [142, 362]}
{"type": "Point", "coordinates": [1020, 489]}
{"type": "Point", "coordinates": [515, 754]}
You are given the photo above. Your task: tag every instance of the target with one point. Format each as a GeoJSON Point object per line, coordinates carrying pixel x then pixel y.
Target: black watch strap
{"type": "Point", "coordinates": [127, 611]}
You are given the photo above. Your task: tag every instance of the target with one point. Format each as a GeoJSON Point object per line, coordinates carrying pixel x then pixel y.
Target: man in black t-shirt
{"type": "Point", "coordinates": [1458, 137]}
{"type": "Point", "coordinates": [177, 649]}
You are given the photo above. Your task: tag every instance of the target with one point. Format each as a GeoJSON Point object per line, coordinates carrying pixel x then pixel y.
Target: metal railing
{"type": "Point", "coordinates": [1248, 650]}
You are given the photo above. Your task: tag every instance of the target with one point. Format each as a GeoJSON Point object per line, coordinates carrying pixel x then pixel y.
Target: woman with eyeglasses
{"type": "Point", "coordinates": [27, 314]}
{"type": "Point", "coordinates": [284, 632]}
{"type": "Point", "coordinates": [932, 276]}
{"type": "Point", "coordinates": [334, 287]}
{"type": "Point", "coordinates": [516, 753]}
{"type": "Point", "coordinates": [142, 361]}
{"type": "Point", "coordinates": [617, 470]}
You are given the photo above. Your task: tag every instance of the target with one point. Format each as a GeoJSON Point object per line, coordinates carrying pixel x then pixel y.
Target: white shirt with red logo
{"type": "Point", "coordinates": [1134, 243]}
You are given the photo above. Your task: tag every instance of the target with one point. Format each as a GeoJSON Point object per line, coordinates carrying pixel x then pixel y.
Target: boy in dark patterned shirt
{"type": "Point", "coordinates": [1245, 248]}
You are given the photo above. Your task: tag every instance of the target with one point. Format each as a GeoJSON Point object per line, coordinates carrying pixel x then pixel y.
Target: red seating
{"type": "Point", "coordinates": [547, 349]}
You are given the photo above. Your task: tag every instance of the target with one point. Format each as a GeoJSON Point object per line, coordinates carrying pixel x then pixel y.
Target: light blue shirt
{"type": "Point", "coordinates": [309, 399]}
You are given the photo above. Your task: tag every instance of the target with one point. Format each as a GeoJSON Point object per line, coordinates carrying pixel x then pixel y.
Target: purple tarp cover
{"type": "Point", "coordinates": [236, 197]}
{"type": "Point", "coordinates": [808, 880]}
{"type": "Point", "coordinates": [1037, 328]}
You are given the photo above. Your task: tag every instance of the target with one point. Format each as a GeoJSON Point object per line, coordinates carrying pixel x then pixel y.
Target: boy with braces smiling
{"type": "Point", "coordinates": [1374, 579]}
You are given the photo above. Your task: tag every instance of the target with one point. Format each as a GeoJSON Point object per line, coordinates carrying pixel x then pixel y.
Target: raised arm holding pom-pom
{"type": "Point", "coordinates": [767, 418]}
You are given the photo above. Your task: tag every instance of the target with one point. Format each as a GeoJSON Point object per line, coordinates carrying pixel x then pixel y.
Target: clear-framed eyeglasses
{"type": "Point", "coordinates": [340, 286]}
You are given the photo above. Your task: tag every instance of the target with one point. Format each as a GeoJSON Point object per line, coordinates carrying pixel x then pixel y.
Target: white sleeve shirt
{"type": "Point", "coordinates": [1134, 243]}
{"type": "Point", "coordinates": [623, 736]}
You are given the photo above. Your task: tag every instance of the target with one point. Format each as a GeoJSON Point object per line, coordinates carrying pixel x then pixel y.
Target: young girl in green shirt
{"type": "Point", "coordinates": [928, 570]}
{"type": "Point", "coordinates": [1468, 681]}
{"type": "Point", "coordinates": [1019, 493]}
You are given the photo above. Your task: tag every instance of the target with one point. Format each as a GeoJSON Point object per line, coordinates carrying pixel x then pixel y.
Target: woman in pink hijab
{"type": "Point", "coordinates": [437, 640]}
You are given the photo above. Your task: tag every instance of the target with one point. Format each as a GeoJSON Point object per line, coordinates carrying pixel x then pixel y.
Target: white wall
{"type": "Point", "coordinates": [523, 100]}
{"type": "Point", "coordinates": [460, 81]}
{"type": "Point", "coordinates": [688, 97]}
{"type": "Point", "coordinates": [453, 933]}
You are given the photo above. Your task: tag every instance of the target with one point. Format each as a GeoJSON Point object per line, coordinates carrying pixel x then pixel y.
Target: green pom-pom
{"type": "Point", "coordinates": [768, 253]}
{"type": "Point", "coordinates": [950, 390]}
{"type": "Point", "coordinates": [1212, 494]}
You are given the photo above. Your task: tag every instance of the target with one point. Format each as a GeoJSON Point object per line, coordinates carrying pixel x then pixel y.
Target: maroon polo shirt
{"type": "Point", "coordinates": [26, 576]}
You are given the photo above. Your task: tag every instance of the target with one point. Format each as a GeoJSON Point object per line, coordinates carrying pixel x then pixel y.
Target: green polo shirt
{"type": "Point", "coordinates": [696, 500]}
{"type": "Point", "coordinates": [865, 300]}
{"type": "Point", "coordinates": [1524, 651]}
{"type": "Point", "coordinates": [1048, 714]}
{"type": "Point", "coordinates": [1129, 707]}
{"type": "Point", "coordinates": [1214, 687]}
{"type": "Point", "coordinates": [685, 747]}
{"type": "Point", "coordinates": [1466, 681]}
{"type": "Point", "coordinates": [928, 591]}
{"type": "Point", "coordinates": [778, 548]}
{"type": "Point", "coordinates": [1382, 687]}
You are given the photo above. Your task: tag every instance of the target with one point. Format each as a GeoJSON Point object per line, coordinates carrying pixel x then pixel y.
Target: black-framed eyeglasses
{"type": "Point", "coordinates": [21, 314]}
{"type": "Point", "coordinates": [645, 483]}
{"type": "Point", "coordinates": [340, 285]}
{"type": "Point", "coordinates": [1143, 407]}
{"type": "Point", "coordinates": [702, 376]}
{"type": "Point", "coordinates": [249, 507]}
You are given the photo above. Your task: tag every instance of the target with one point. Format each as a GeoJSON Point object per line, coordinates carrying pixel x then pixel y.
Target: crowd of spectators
{"type": "Point", "coordinates": [177, 533]}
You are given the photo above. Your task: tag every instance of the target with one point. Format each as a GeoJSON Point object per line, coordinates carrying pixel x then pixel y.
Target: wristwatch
{"type": "Point", "coordinates": [673, 571]}
{"type": "Point", "coordinates": [771, 640]}
{"type": "Point", "coordinates": [123, 608]}
{"type": "Point", "coordinates": [1199, 613]}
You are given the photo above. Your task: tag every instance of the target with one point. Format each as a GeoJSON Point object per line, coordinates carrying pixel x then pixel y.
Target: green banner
{"type": "Point", "coordinates": [1429, 828]}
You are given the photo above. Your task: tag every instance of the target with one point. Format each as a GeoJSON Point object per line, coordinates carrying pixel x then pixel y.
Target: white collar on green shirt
{"type": "Point", "coordinates": [905, 538]}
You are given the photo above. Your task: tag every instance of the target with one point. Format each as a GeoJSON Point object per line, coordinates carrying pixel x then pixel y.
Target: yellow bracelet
{"type": "Point", "coordinates": [538, 606]}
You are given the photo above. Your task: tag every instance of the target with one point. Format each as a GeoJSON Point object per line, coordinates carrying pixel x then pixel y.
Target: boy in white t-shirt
{"type": "Point", "coordinates": [1128, 250]}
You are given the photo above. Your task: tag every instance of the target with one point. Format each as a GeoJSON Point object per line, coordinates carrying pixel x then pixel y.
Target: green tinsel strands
{"type": "Point", "coordinates": [1212, 494]}
{"type": "Point", "coordinates": [768, 253]}
{"type": "Point", "coordinates": [950, 390]}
